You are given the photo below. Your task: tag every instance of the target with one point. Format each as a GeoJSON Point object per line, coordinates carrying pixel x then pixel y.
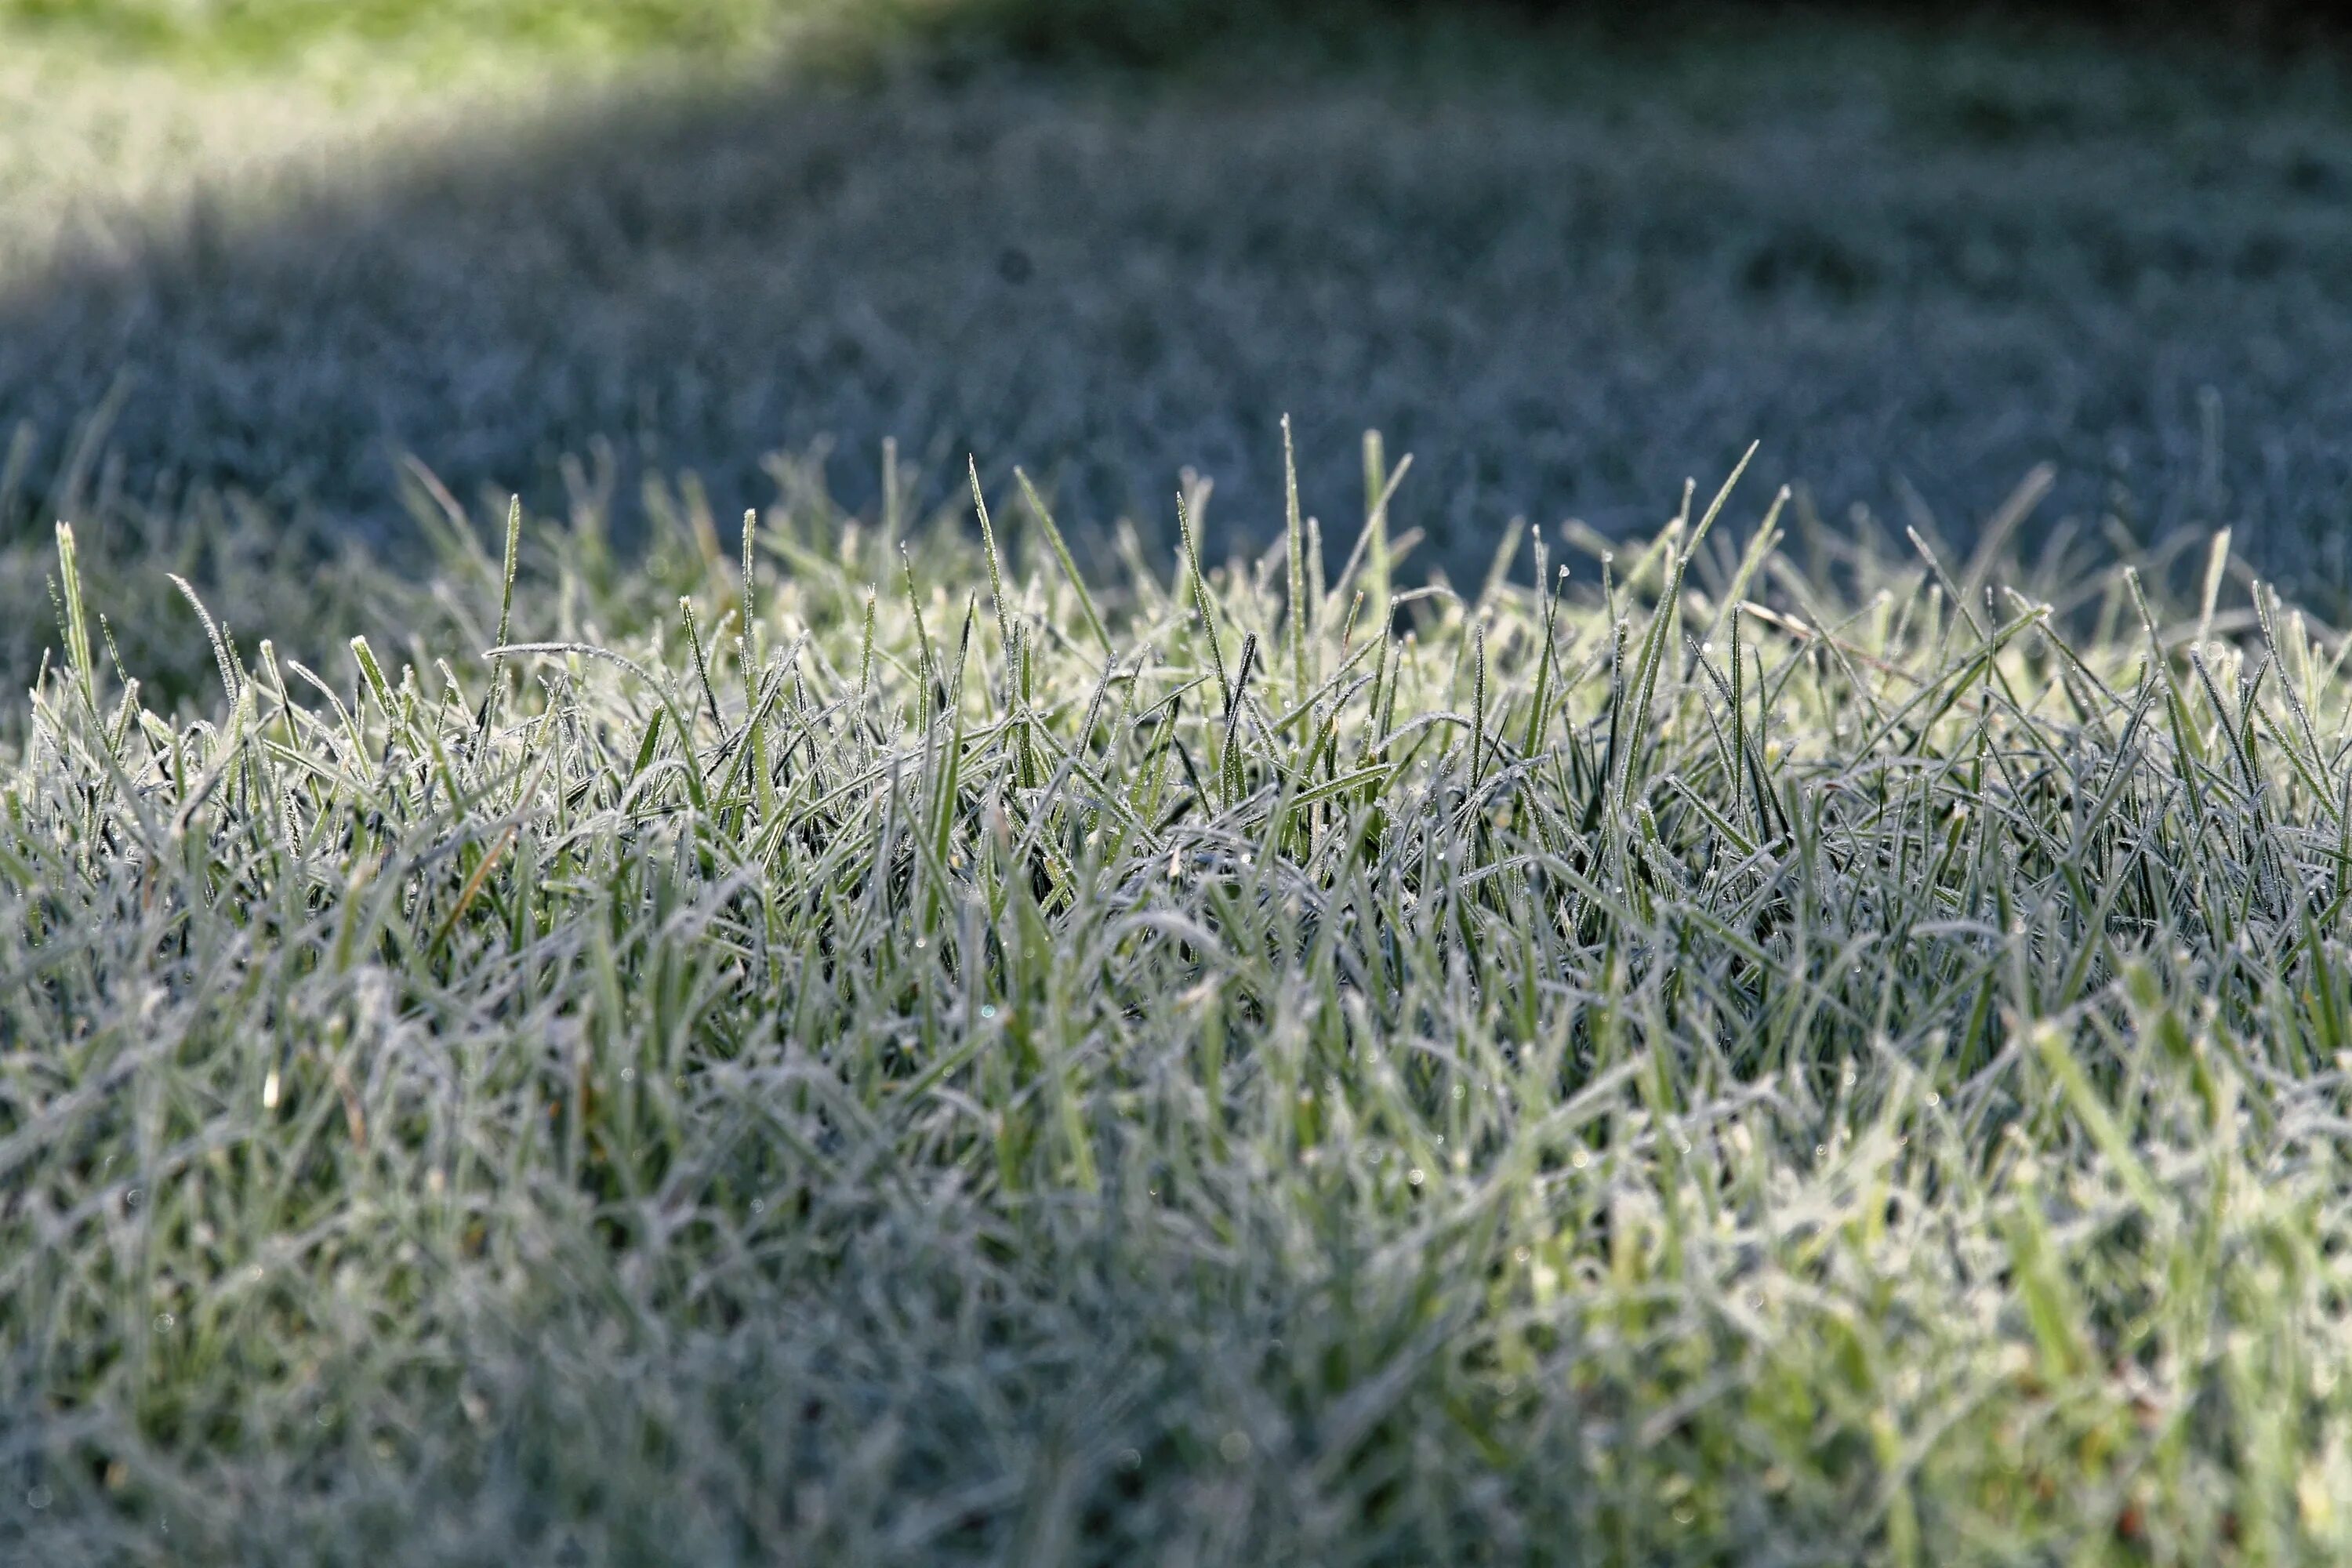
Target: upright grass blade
{"type": "Point", "coordinates": [995, 571]}
{"type": "Point", "coordinates": [1093, 617]}
{"type": "Point", "coordinates": [1201, 600]}
{"type": "Point", "coordinates": [1298, 612]}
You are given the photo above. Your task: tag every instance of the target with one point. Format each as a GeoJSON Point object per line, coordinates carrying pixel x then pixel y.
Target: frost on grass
{"type": "Point", "coordinates": [872, 1052]}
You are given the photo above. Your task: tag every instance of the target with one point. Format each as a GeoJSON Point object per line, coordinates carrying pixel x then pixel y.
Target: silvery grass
{"type": "Point", "coordinates": [1519, 245]}
{"type": "Point", "coordinates": [872, 1052]}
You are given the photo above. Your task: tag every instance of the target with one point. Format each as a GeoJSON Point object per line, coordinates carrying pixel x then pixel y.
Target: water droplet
{"type": "Point", "coordinates": [1129, 1459]}
{"type": "Point", "coordinates": [1416, 1175]}
{"type": "Point", "coordinates": [37, 1498]}
{"type": "Point", "coordinates": [759, 1205]}
{"type": "Point", "coordinates": [1234, 1447]}
{"type": "Point", "coordinates": [989, 1011]}
{"type": "Point", "coordinates": [628, 1075]}
{"type": "Point", "coordinates": [1521, 1255]}
{"type": "Point", "coordinates": [164, 1322]}
{"type": "Point", "coordinates": [131, 1199]}
{"type": "Point", "coordinates": [921, 944]}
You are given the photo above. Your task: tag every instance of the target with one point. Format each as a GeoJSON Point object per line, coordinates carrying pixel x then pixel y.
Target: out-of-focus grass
{"type": "Point", "coordinates": [276, 33]}
{"type": "Point", "coordinates": [1914, 264]}
{"type": "Point", "coordinates": [272, 32]}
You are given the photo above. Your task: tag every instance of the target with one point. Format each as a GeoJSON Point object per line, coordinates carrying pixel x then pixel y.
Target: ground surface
{"type": "Point", "coordinates": [1553, 270]}
{"type": "Point", "coordinates": [1742, 1065]}
{"type": "Point", "coordinates": [1797, 1050]}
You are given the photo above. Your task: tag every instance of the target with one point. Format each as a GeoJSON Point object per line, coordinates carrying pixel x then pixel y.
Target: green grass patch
{"type": "Point", "coordinates": [868, 1050]}
{"type": "Point", "coordinates": [265, 30]}
{"type": "Point", "coordinates": [273, 35]}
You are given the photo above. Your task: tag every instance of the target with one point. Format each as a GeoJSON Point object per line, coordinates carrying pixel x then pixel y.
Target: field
{"type": "Point", "coordinates": [933, 1028]}
{"type": "Point", "coordinates": [1564, 270]}
{"type": "Point", "coordinates": [867, 1052]}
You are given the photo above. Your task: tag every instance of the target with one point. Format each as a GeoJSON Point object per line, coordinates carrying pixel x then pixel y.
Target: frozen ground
{"type": "Point", "coordinates": [1554, 270]}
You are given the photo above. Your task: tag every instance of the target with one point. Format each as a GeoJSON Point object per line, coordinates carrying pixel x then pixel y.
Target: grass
{"type": "Point", "coordinates": [1556, 264]}
{"type": "Point", "coordinates": [275, 34]}
{"type": "Point", "coordinates": [1774, 1048]}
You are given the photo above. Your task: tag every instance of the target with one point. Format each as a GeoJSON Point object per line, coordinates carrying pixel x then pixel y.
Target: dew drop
{"type": "Point", "coordinates": [165, 1322]}
{"type": "Point", "coordinates": [988, 1010]}
{"type": "Point", "coordinates": [759, 1205]}
{"type": "Point", "coordinates": [37, 1498]}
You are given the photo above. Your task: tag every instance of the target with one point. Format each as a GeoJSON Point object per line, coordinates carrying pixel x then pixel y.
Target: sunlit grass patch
{"type": "Point", "coordinates": [266, 30]}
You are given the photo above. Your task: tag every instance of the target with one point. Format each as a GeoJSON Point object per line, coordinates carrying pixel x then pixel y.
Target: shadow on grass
{"type": "Point", "coordinates": [1564, 270]}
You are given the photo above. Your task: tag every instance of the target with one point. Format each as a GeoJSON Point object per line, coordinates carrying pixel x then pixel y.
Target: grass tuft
{"type": "Point", "coordinates": [1731, 1064]}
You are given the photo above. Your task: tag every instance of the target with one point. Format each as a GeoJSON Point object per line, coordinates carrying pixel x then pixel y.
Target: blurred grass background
{"type": "Point", "coordinates": [271, 31]}
{"type": "Point", "coordinates": [1565, 255]}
